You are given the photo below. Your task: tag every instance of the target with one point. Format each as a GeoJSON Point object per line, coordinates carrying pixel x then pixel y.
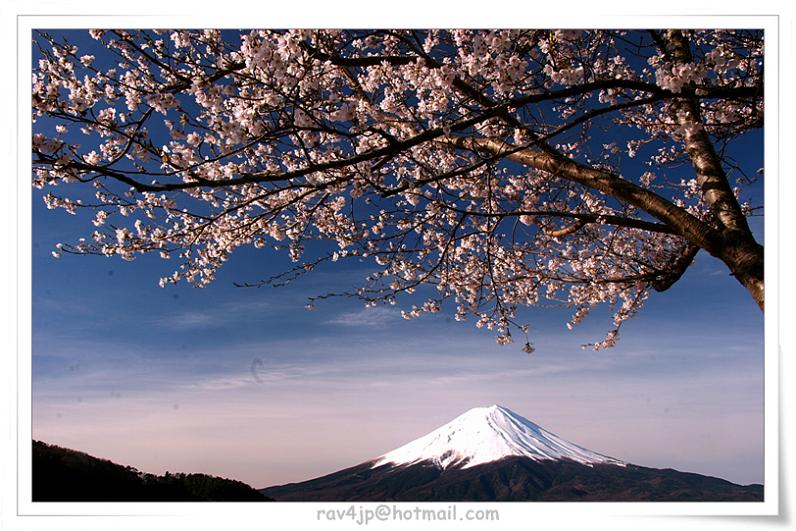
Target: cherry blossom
{"type": "Point", "coordinates": [478, 171]}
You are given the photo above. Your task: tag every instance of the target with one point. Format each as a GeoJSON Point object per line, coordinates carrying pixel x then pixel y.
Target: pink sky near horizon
{"type": "Point", "coordinates": [293, 424]}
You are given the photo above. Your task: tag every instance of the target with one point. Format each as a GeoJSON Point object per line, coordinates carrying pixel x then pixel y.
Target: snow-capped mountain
{"type": "Point", "coordinates": [494, 454]}
{"type": "Point", "coordinates": [487, 434]}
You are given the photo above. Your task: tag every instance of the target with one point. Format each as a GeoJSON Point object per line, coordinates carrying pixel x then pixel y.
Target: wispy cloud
{"type": "Point", "coordinates": [188, 319]}
{"type": "Point", "coordinates": [372, 317]}
{"type": "Point", "coordinates": [216, 316]}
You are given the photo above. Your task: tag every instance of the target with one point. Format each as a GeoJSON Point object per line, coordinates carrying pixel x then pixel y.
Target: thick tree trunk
{"type": "Point", "coordinates": [745, 260]}
{"type": "Point", "coordinates": [739, 250]}
{"type": "Point", "coordinates": [709, 172]}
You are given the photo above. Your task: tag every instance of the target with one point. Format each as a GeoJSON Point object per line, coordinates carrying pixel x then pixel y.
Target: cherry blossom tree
{"type": "Point", "coordinates": [483, 169]}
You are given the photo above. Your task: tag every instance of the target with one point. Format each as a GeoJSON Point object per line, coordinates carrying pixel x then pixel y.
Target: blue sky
{"type": "Point", "coordinates": [245, 383]}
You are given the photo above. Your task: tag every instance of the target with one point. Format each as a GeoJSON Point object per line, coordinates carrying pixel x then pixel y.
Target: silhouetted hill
{"type": "Point", "coordinates": [61, 474]}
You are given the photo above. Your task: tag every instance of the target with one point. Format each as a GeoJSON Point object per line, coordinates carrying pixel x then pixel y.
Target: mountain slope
{"type": "Point", "coordinates": [514, 479]}
{"type": "Point", "coordinates": [493, 454]}
{"type": "Point", "coordinates": [60, 474]}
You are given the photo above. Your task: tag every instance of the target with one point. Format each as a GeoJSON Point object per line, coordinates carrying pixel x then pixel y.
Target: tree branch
{"type": "Point", "coordinates": [684, 223]}
{"type": "Point", "coordinates": [582, 218]}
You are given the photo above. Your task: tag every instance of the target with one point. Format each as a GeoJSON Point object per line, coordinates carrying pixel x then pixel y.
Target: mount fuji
{"type": "Point", "coordinates": [494, 454]}
{"type": "Point", "coordinates": [488, 434]}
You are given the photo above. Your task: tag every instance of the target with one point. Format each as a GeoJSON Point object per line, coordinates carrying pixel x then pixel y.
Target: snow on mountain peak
{"type": "Point", "coordinates": [486, 434]}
